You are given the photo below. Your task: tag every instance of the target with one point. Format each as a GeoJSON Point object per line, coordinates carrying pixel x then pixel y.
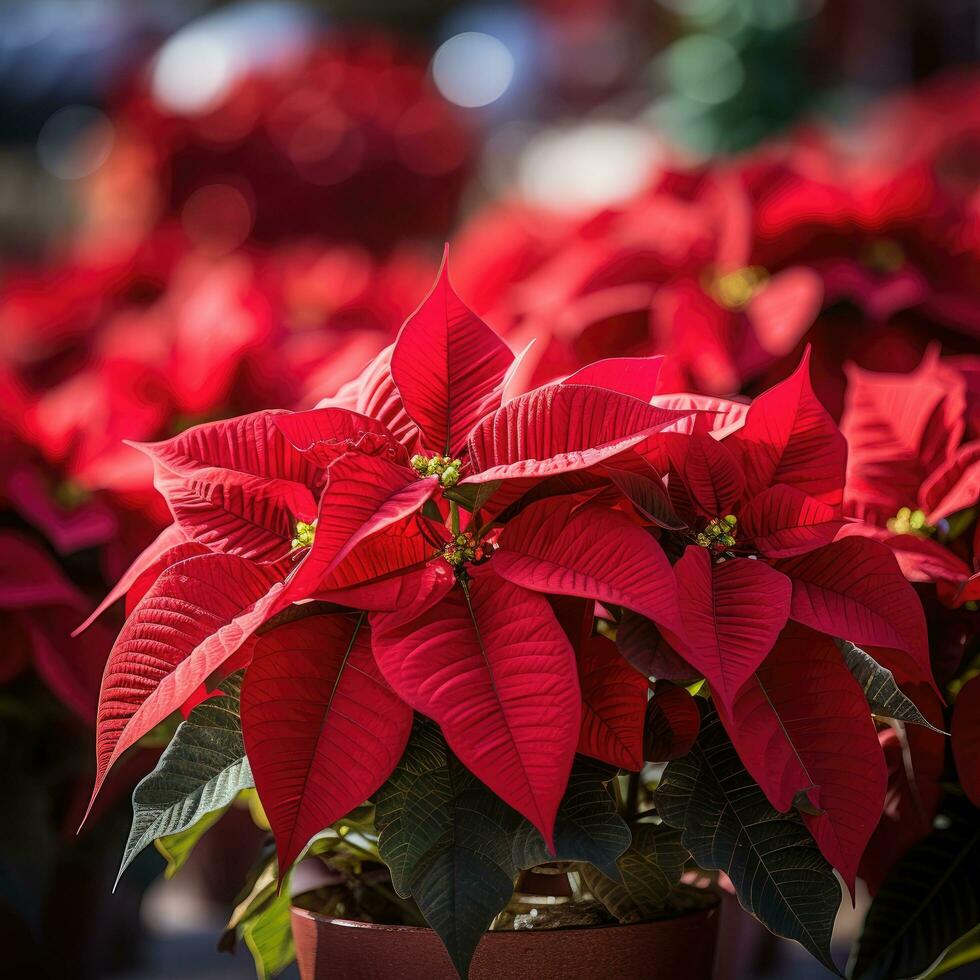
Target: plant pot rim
{"type": "Point", "coordinates": [704, 911]}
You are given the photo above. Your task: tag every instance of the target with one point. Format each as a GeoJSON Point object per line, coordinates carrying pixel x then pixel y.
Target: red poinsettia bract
{"type": "Point", "coordinates": [424, 542]}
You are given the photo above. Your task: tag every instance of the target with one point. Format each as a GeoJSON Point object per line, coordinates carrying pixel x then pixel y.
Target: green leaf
{"type": "Point", "coordinates": [588, 827]}
{"type": "Point", "coordinates": [199, 774]}
{"type": "Point", "coordinates": [447, 841]}
{"type": "Point", "coordinates": [728, 824]}
{"type": "Point", "coordinates": [648, 870]}
{"type": "Point", "coordinates": [269, 937]}
{"type": "Point", "coordinates": [963, 951]}
{"type": "Point", "coordinates": [930, 901]}
{"type": "Point", "coordinates": [177, 848]}
{"type": "Point", "coordinates": [878, 683]}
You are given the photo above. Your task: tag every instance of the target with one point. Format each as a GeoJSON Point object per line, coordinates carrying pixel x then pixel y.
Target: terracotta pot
{"type": "Point", "coordinates": [683, 946]}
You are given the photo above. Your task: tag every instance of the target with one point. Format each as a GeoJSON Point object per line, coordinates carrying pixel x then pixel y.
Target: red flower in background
{"type": "Point", "coordinates": [348, 140]}
{"type": "Point", "coordinates": [911, 475]}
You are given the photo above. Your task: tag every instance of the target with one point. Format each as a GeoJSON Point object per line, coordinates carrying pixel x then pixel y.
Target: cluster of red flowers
{"type": "Point", "coordinates": [861, 242]}
{"type": "Point", "coordinates": [474, 532]}
{"type": "Point", "coordinates": [458, 534]}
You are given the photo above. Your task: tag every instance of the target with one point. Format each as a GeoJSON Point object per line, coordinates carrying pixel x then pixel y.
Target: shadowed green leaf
{"type": "Point", "coordinates": [649, 870]}
{"type": "Point", "coordinates": [885, 698]}
{"type": "Point", "coordinates": [198, 776]}
{"type": "Point", "coordinates": [447, 841]}
{"type": "Point", "coordinates": [587, 829]}
{"type": "Point", "coordinates": [930, 901]}
{"type": "Point", "coordinates": [728, 824]}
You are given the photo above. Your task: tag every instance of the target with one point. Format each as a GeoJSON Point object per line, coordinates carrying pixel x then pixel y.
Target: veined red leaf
{"type": "Point", "coordinates": [788, 437]}
{"type": "Point", "coordinates": [920, 559]}
{"type": "Point", "coordinates": [899, 428]}
{"type": "Point", "coordinates": [322, 729]}
{"type": "Point", "coordinates": [448, 366]}
{"type": "Point", "coordinates": [732, 613]}
{"type": "Point", "coordinates": [710, 470]}
{"type": "Point", "coordinates": [672, 723]}
{"type": "Point", "coordinates": [645, 647]}
{"type": "Point", "coordinates": [803, 729]}
{"type": "Point", "coordinates": [854, 589]}
{"type": "Point", "coordinates": [236, 513]}
{"type": "Point", "coordinates": [364, 495]}
{"type": "Point", "coordinates": [144, 582]}
{"type": "Point", "coordinates": [614, 701]}
{"type": "Point", "coordinates": [496, 671]}
{"type": "Point", "coordinates": [399, 568]}
{"type": "Point", "coordinates": [565, 548]}
{"type": "Point", "coordinates": [323, 434]}
{"type": "Point", "coordinates": [953, 487]}
{"type": "Point", "coordinates": [642, 485]}
{"type": "Point", "coordinates": [783, 521]}
{"type": "Point", "coordinates": [169, 538]}
{"type": "Point", "coordinates": [723, 415]}
{"type": "Point", "coordinates": [559, 428]}
{"type": "Point", "coordinates": [966, 738]}
{"type": "Point", "coordinates": [636, 376]}
{"type": "Point", "coordinates": [373, 393]}
{"type": "Point", "coordinates": [249, 444]}
{"type": "Point", "coordinates": [193, 618]}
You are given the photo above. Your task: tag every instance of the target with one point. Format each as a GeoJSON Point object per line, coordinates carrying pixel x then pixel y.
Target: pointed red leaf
{"type": "Point", "coordinates": [614, 701]}
{"type": "Point", "coordinates": [788, 437]}
{"type": "Point", "coordinates": [564, 548]}
{"type": "Point", "coordinates": [783, 521]}
{"type": "Point", "coordinates": [733, 612]}
{"type": "Point", "coordinates": [373, 393]}
{"type": "Point", "coordinates": [853, 589]}
{"type": "Point", "coordinates": [803, 728]}
{"type": "Point", "coordinates": [645, 647]}
{"type": "Point", "coordinates": [194, 617]}
{"type": "Point", "coordinates": [322, 729]}
{"type": "Point", "coordinates": [145, 581]}
{"type": "Point", "coordinates": [636, 376]}
{"type": "Point", "coordinates": [249, 444]}
{"type": "Point", "coordinates": [724, 416]}
{"type": "Point", "coordinates": [235, 513]}
{"type": "Point", "coordinates": [170, 537]}
{"type": "Point", "coordinates": [953, 487]}
{"type": "Point", "coordinates": [364, 495]}
{"type": "Point", "coordinates": [642, 486]}
{"type": "Point", "coordinates": [449, 368]}
{"type": "Point", "coordinates": [710, 470]}
{"type": "Point", "coordinates": [966, 738]}
{"type": "Point", "coordinates": [672, 723]}
{"type": "Point", "coordinates": [920, 559]}
{"type": "Point", "coordinates": [497, 673]}
{"type": "Point", "coordinates": [323, 434]}
{"type": "Point", "coordinates": [560, 428]}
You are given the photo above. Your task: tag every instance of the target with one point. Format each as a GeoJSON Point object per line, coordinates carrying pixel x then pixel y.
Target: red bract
{"type": "Point", "coordinates": [911, 477]}
{"type": "Point", "coordinates": [456, 543]}
{"type": "Point", "coordinates": [329, 504]}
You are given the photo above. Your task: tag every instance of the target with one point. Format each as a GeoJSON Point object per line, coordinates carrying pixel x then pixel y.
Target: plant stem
{"type": "Point", "coordinates": [454, 517]}
{"type": "Point", "coordinates": [633, 796]}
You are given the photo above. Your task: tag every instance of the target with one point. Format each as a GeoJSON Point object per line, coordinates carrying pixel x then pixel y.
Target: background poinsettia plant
{"type": "Point", "coordinates": [440, 626]}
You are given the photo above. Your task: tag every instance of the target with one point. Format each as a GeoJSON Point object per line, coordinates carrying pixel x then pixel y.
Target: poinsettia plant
{"type": "Point", "coordinates": [441, 626]}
